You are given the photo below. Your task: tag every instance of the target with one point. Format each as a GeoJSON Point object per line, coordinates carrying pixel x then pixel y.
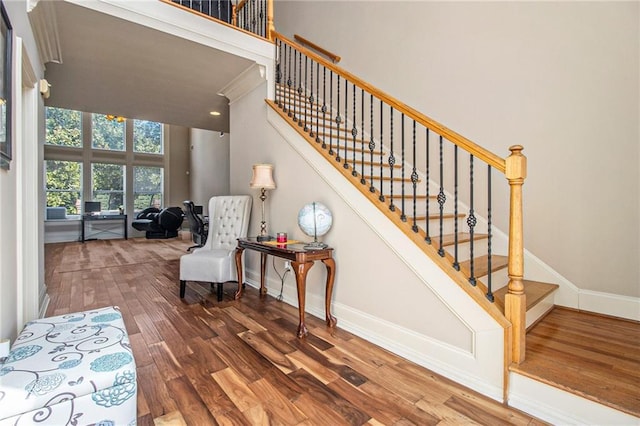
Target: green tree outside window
{"type": "Point", "coordinates": [107, 134]}
{"type": "Point", "coordinates": [107, 185]}
{"type": "Point", "coordinates": [64, 185]}
{"type": "Point", "coordinates": [63, 127]}
{"type": "Point", "coordinates": [147, 187]}
{"type": "Point", "coordinates": [147, 137]}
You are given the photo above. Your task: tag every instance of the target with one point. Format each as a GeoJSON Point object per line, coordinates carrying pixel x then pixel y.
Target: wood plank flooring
{"type": "Point", "coordinates": [594, 356]}
{"type": "Point", "coordinates": [200, 362]}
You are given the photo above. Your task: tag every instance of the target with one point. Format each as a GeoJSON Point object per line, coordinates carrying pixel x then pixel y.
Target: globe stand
{"type": "Point", "coordinates": [315, 244]}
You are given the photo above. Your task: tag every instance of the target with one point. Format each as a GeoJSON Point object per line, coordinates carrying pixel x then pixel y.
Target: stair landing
{"type": "Point", "coordinates": [590, 355]}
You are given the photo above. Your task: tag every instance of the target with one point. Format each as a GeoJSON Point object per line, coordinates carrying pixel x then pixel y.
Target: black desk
{"type": "Point", "coordinates": [104, 217]}
{"type": "Point", "coordinates": [301, 260]}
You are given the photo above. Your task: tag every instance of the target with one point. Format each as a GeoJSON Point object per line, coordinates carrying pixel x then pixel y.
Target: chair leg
{"type": "Point", "coordinates": [183, 286]}
{"type": "Point", "coordinates": [219, 292]}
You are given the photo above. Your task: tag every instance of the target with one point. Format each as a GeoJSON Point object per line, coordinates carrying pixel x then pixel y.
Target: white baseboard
{"type": "Point", "coordinates": [571, 296]}
{"type": "Point", "coordinates": [610, 304]}
{"type": "Point", "coordinates": [562, 408]}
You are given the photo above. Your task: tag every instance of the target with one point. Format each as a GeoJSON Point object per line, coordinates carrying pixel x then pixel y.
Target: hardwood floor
{"type": "Point", "coordinates": [590, 355]}
{"type": "Point", "coordinates": [200, 362]}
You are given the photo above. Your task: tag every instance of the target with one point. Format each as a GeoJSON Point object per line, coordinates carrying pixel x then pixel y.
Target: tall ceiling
{"type": "Point", "coordinates": [113, 66]}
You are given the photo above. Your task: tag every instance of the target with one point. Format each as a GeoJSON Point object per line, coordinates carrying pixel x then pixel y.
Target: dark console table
{"type": "Point", "coordinates": [301, 260]}
{"type": "Point", "coordinates": [103, 217]}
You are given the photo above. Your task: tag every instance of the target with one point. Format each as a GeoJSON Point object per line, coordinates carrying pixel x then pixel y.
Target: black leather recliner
{"type": "Point", "coordinates": [159, 224]}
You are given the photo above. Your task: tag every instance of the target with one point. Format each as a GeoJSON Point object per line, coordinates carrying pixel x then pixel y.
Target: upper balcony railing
{"type": "Point", "coordinates": [253, 16]}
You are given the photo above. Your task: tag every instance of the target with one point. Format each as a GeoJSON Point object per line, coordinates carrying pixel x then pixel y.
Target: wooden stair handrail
{"type": "Point", "coordinates": [476, 150]}
{"type": "Point", "coordinates": [241, 5]}
{"type": "Point", "coordinates": [334, 58]}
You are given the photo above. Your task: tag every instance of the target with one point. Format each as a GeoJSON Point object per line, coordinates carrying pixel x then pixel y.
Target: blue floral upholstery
{"type": "Point", "coordinates": [75, 369]}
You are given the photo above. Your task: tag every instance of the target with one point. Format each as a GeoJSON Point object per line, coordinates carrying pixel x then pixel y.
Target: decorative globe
{"type": "Point", "coordinates": [315, 219]}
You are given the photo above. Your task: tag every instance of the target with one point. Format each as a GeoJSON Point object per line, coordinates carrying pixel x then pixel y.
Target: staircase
{"type": "Point", "coordinates": [338, 115]}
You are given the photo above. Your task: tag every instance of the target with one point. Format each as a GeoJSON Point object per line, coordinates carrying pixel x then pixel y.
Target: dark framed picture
{"type": "Point", "coordinates": [5, 88]}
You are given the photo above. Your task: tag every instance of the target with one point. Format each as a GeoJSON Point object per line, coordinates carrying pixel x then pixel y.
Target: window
{"type": "Point", "coordinates": [107, 185]}
{"type": "Point", "coordinates": [147, 187]}
{"type": "Point", "coordinates": [63, 127]}
{"type": "Point", "coordinates": [107, 132]}
{"type": "Point", "coordinates": [147, 137]}
{"type": "Point", "coordinates": [64, 185]}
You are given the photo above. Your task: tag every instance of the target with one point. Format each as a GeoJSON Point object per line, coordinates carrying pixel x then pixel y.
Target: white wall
{"type": "Point", "coordinates": [376, 294]}
{"type": "Point", "coordinates": [209, 166]}
{"type": "Point", "coordinates": [11, 287]}
{"type": "Point", "coordinates": [177, 160]}
{"type": "Point", "coordinates": [560, 78]}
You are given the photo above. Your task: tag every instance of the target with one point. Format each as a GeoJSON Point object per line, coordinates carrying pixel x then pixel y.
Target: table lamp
{"type": "Point", "coordinates": [263, 179]}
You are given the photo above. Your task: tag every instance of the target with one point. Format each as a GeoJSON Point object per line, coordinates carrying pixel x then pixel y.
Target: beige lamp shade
{"type": "Point", "coordinates": [262, 177]}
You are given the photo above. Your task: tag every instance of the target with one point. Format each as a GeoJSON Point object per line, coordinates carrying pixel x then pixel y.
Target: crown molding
{"type": "Point", "coordinates": [244, 83]}
{"type": "Point", "coordinates": [45, 31]}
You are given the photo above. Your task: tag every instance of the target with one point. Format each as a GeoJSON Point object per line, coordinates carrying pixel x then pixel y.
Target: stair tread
{"type": "Point", "coordinates": [481, 265]}
{"type": "Point", "coordinates": [449, 239]}
{"type": "Point", "coordinates": [437, 216]}
{"type": "Point", "coordinates": [535, 291]}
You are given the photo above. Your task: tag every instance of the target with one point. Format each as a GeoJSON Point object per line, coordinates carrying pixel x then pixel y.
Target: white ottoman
{"type": "Point", "coordinates": [75, 369]}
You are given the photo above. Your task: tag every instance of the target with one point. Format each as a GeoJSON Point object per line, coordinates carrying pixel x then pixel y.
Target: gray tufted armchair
{"type": "Point", "coordinates": [215, 261]}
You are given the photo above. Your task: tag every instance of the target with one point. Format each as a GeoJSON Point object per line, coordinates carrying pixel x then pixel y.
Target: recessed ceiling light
{"type": "Point", "coordinates": [215, 113]}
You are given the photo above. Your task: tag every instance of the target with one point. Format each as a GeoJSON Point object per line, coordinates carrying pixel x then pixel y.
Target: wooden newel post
{"type": "Point", "coordinates": [234, 15]}
{"type": "Point", "coordinates": [270, 27]}
{"type": "Point", "coordinates": [515, 299]}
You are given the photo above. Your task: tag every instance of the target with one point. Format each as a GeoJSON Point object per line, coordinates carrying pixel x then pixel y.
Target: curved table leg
{"type": "Point", "coordinates": [301, 269]}
{"type": "Point", "coordinates": [239, 251]}
{"type": "Point", "coordinates": [331, 274]}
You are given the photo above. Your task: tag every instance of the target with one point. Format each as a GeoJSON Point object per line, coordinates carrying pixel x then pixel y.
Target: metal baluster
{"type": "Point", "coordinates": [299, 89]}
{"type": "Point", "coordinates": [346, 116]}
{"type": "Point", "coordinates": [278, 60]}
{"type": "Point", "coordinates": [414, 178]}
{"type": "Point", "coordinates": [262, 25]}
{"type": "Point", "coordinates": [456, 265]}
{"type": "Point", "coordinates": [289, 83]}
{"type": "Point", "coordinates": [362, 180]}
{"type": "Point", "coordinates": [489, 291]}
{"type": "Point", "coordinates": [311, 99]}
{"type": "Point", "coordinates": [392, 161]}
{"type": "Point", "coordinates": [252, 15]}
{"type": "Point", "coordinates": [303, 101]}
{"type": "Point", "coordinates": [331, 106]}
{"type": "Point", "coordinates": [403, 216]}
{"type": "Point", "coordinates": [471, 222]}
{"type": "Point", "coordinates": [295, 60]}
{"type": "Point", "coordinates": [318, 102]}
{"type": "Point", "coordinates": [441, 200]}
{"type": "Point", "coordinates": [381, 197]}
{"type": "Point", "coordinates": [338, 120]}
{"type": "Point", "coordinates": [324, 106]}
{"type": "Point", "coordinates": [427, 237]}
{"type": "Point", "coordinates": [354, 133]}
{"type": "Point", "coordinates": [372, 144]}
